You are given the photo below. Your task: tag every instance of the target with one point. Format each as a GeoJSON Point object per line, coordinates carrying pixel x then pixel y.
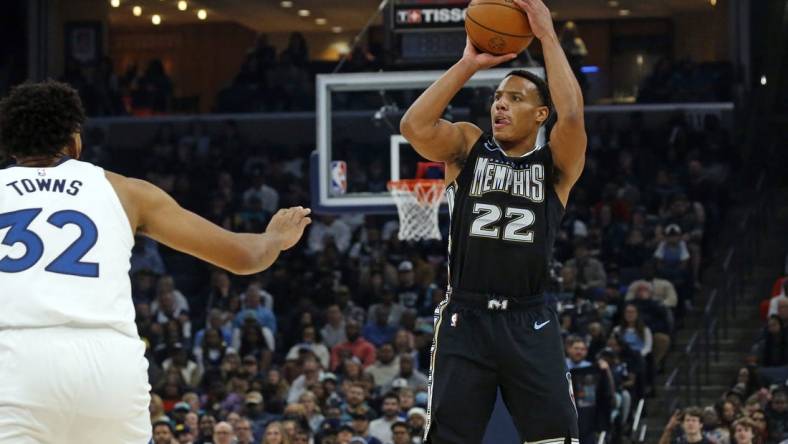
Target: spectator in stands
{"type": "Point", "coordinates": [333, 332]}
{"type": "Point", "coordinates": [361, 427]}
{"type": "Point", "coordinates": [223, 433]}
{"type": "Point", "coordinates": [663, 289]}
{"type": "Point", "coordinates": [634, 331]}
{"type": "Point", "coordinates": [329, 229]}
{"type": "Point", "coordinates": [190, 371]}
{"type": "Point", "coordinates": [207, 423]}
{"type": "Point", "coordinates": [775, 301]}
{"type": "Point", "coordinates": [657, 318]}
{"type": "Point", "coordinates": [408, 293]}
{"type": "Point", "coordinates": [252, 307]}
{"type": "Point", "coordinates": [310, 341]}
{"type": "Point", "coordinates": [713, 429]}
{"type": "Point", "coordinates": [772, 348]}
{"type": "Point", "coordinates": [417, 420]}
{"type": "Point", "coordinates": [162, 433]}
{"type": "Point", "coordinates": [593, 390]}
{"type": "Point", "coordinates": [408, 372]}
{"type": "Point", "coordinates": [355, 401]}
{"type": "Point", "coordinates": [400, 433]}
{"type": "Point", "coordinates": [386, 367]}
{"type": "Point", "coordinates": [691, 430]}
{"type": "Point", "coordinates": [673, 256]}
{"type": "Point", "coordinates": [267, 195]}
{"type": "Point", "coordinates": [311, 374]}
{"type": "Point", "coordinates": [154, 89]}
{"type": "Point", "coordinates": [297, 49]}
{"type": "Point", "coordinates": [349, 308]}
{"type": "Point", "coordinates": [275, 434]}
{"type": "Point", "coordinates": [379, 331]}
{"type": "Point", "coordinates": [381, 428]}
{"type": "Point", "coordinates": [589, 271]}
{"type": "Point", "coordinates": [575, 49]}
{"type": "Point", "coordinates": [254, 410]}
{"type": "Point", "coordinates": [387, 302]}
{"type": "Point", "coordinates": [243, 432]}
{"type": "Point", "coordinates": [777, 416]}
{"type": "Point", "coordinates": [744, 431]}
{"type": "Point", "coordinates": [760, 431]}
{"type": "Point", "coordinates": [355, 346]}
{"type": "Point", "coordinates": [311, 410]}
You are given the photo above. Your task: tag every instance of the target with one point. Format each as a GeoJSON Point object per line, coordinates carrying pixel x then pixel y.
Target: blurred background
{"type": "Point", "coordinates": [670, 263]}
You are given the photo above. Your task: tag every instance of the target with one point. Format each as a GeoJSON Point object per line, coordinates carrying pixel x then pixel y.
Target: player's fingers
{"type": "Point", "coordinates": [504, 58]}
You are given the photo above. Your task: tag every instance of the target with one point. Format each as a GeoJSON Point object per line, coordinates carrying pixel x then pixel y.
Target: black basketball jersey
{"type": "Point", "coordinates": [504, 216]}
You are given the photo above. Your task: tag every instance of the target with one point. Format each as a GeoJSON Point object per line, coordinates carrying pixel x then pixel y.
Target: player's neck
{"type": "Point", "coordinates": [39, 161]}
{"type": "Point", "coordinates": [517, 148]}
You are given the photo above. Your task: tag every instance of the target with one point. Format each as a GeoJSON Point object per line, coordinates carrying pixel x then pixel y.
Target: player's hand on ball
{"type": "Point", "coordinates": [483, 60]}
{"type": "Point", "coordinates": [538, 16]}
{"type": "Point", "coordinates": [288, 225]}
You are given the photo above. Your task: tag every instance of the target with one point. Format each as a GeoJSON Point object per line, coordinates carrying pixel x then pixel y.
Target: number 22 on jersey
{"type": "Point", "coordinates": [68, 262]}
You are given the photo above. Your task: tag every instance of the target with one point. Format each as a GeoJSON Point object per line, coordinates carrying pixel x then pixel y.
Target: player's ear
{"type": "Point", "coordinates": [542, 113]}
{"type": "Point", "coordinates": [74, 147]}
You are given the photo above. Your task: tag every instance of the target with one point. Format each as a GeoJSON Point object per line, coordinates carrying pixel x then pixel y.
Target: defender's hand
{"type": "Point", "coordinates": [539, 17]}
{"type": "Point", "coordinates": [483, 60]}
{"type": "Point", "coordinates": [287, 225]}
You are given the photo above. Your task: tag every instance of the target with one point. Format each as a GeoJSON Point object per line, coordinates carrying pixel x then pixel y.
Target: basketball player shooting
{"type": "Point", "coordinates": [506, 199]}
{"type": "Point", "coordinates": [72, 365]}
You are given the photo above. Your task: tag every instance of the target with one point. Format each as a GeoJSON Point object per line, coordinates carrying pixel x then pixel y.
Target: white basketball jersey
{"type": "Point", "coordinates": [65, 245]}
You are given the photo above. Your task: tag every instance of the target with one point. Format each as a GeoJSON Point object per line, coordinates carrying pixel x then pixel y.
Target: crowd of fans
{"type": "Point", "coordinates": [136, 91]}
{"type": "Point", "coordinates": [331, 345]}
{"type": "Point", "coordinates": [687, 81]}
{"type": "Point", "coordinates": [754, 410]}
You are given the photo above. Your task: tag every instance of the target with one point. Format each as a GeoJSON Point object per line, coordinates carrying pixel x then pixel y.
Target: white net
{"type": "Point", "coordinates": [418, 201]}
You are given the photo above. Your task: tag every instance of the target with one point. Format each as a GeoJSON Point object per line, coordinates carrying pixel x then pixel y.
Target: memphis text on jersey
{"type": "Point", "coordinates": [490, 176]}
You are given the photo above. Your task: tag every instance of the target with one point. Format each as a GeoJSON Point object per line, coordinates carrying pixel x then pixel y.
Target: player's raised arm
{"type": "Point", "coordinates": [154, 213]}
{"type": "Point", "coordinates": [433, 137]}
{"type": "Point", "coordinates": [568, 137]}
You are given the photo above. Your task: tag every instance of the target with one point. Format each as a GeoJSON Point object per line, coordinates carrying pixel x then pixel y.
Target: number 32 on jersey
{"type": "Point", "coordinates": [68, 262]}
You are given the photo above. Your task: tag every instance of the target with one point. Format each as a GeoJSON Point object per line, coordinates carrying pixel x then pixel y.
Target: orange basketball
{"type": "Point", "coordinates": [498, 26]}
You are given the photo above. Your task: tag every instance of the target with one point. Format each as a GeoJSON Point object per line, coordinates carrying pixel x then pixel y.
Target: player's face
{"type": "Point", "coordinates": [517, 110]}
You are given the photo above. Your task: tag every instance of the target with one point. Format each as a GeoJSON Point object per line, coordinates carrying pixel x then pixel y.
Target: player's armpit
{"type": "Point", "coordinates": [568, 142]}
{"type": "Point", "coordinates": [161, 218]}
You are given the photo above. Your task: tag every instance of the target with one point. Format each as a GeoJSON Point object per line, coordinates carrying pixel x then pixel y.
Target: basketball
{"type": "Point", "coordinates": [498, 26]}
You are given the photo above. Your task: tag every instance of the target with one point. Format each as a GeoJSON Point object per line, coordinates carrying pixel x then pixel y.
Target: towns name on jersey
{"type": "Point", "coordinates": [490, 176]}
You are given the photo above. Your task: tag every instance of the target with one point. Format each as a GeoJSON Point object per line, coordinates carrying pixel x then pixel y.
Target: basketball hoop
{"type": "Point", "coordinates": [418, 201]}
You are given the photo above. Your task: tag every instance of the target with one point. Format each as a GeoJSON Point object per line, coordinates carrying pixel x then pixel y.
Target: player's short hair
{"type": "Point", "coordinates": [541, 85]}
{"type": "Point", "coordinates": [38, 119]}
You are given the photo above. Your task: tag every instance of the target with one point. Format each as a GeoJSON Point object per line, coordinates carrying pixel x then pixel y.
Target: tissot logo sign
{"type": "Point", "coordinates": [428, 17]}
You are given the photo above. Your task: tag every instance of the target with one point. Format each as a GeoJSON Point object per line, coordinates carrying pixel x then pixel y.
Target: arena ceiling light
{"type": "Point", "coordinates": [304, 12]}
{"type": "Point", "coordinates": [336, 29]}
{"type": "Point", "coordinates": [613, 3]}
{"type": "Point", "coordinates": [114, 3]}
{"type": "Point", "coordinates": [286, 4]}
{"type": "Point", "coordinates": [624, 12]}
{"type": "Point", "coordinates": [202, 14]}
{"type": "Point", "coordinates": [137, 11]}
{"type": "Point", "coordinates": [320, 21]}
{"type": "Point", "coordinates": [183, 5]}
{"type": "Point", "coordinates": [156, 19]}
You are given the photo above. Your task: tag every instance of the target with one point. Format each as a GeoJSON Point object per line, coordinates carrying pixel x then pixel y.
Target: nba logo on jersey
{"type": "Point", "coordinates": [338, 177]}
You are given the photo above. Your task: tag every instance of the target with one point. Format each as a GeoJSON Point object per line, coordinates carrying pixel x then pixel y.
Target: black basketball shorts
{"type": "Point", "coordinates": [479, 347]}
